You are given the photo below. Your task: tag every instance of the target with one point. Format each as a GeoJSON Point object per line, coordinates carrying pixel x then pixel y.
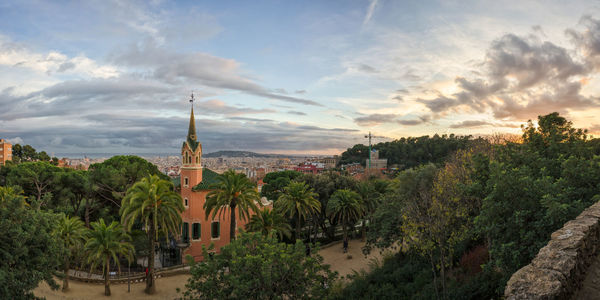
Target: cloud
{"type": "Point", "coordinates": [136, 134]}
{"type": "Point", "coordinates": [196, 68]}
{"type": "Point", "coordinates": [366, 68]}
{"type": "Point", "coordinates": [298, 113]}
{"type": "Point", "coordinates": [377, 119]}
{"type": "Point", "coordinates": [300, 92]}
{"type": "Point", "coordinates": [19, 56]}
{"type": "Point", "coordinates": [520, 78]}
{"type": "Point", "coordinates": [587, 41]}
{"type": "Point", "coordinates": [370, 11]}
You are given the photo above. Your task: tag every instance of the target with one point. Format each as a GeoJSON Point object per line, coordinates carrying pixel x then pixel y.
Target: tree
{"type": "Point", "coordinates": [231, 191]}
{"type": "Point", "coordinates": [29, 252]}
{"type": "Point", "coordinates": [298, 200]}
{"type": "Point", "coordinates": [75, 186]}
{"type": "Point", "coordinates": [112, 178]}
{"type": "Point", "coordinates": [358, 153]}
{"type": "Point", "coordinates": [269, 222]}
{"type": "Point", "coordinates": [346, 207]}
{"type": "Point", "coordinates": [275, 182]}
{"type": "Point", "coordinates": [106, 242]}
{"type": "Point", "coordinates": [17, 153]}
{"type": "Point", "coordinates": [325, 184]}
{"type": "Point", "coordinates": [29, 153]}
{"type": "Point", "coordinates": [370, 193]}
{"type": "Point", "coordinates": [152, 202]}
{"type": "Point", "coordinates": [255, 266]}
{"type": "Point", "coordinates": [71, 232]}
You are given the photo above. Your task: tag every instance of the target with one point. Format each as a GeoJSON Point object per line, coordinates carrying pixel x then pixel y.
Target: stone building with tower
{"type": "Point", "coordinates": [197, 230]}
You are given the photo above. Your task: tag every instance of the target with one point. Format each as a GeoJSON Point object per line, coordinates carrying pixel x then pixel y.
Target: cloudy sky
{"type": "Point", "coordinates": [289, 76]}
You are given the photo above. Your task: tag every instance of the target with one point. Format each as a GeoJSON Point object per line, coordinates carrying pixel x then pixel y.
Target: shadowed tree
{"type": "Point", "coordinates": [231, 191]}
{"type": "Point", "coordinates": [29, 251]}
{"type": "Point", "coordinates": [153, 203]}
{"type": "Point", "coordinates": [269, 223]}
{"type": "Point", "coordinates": [346, 207]}
{"type": "Point", "coordinates": [71, 232]}
{"type": "Point", "coordinates": [106, 242]}
{"type": "Point", "coordinates": [298, 200]}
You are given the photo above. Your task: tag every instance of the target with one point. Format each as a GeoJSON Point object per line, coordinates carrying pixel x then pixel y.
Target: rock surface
{"type": "Point", "coordinates": [560, 268]}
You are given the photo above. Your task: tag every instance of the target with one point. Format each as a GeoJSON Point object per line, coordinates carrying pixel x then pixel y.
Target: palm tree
{"type": "Point", "coordinates": [106, 242]}
{"type": "Point", "coordinates": [231, 191]}
{"type": "Point", "coordinates": [71, 232]}
{"type": "Point", "coordinates": [269, 222]}
{"type": "Point", "coordinates": [370, 194]}
{"type": "Point", "coordinates": [153, 203]}
{"type": "Point", "coordinates": [346, 207]}
{"type": "Point", "coordinates": [298, 200]}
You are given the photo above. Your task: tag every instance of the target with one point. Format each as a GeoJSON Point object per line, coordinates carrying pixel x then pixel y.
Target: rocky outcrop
{"type": "Point", "coordinates": [559, 268]}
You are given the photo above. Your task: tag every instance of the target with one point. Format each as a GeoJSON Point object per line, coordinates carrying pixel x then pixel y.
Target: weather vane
{"type": "Point", "coordinates": [192, 98]}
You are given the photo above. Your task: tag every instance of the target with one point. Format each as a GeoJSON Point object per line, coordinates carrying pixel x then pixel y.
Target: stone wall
{"type": "Point", "coordinates": [559, 268]}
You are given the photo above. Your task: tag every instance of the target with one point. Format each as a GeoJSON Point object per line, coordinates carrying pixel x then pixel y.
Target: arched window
{"type": "Point", "coordinates": [197, 160]}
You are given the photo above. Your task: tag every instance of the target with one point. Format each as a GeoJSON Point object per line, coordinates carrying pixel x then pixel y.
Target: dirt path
{"type": "Point", "coordinates": [339, 261]}
{"type": "Point", "coordinates": [166, 286]}
{"type": "Point", "coordinates": [165, 289]}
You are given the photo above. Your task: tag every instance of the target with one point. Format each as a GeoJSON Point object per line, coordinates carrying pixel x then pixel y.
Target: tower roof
{"type": "Point", "coordinates": [192, 130]}
{"type": "Point", "coordinates": [192, 139]}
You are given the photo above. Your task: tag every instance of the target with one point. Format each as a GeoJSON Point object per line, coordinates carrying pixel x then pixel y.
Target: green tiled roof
{"type": "Point", "coordinates": [209, 177]}
{"type": "Point", "coordinates": [193, 144]}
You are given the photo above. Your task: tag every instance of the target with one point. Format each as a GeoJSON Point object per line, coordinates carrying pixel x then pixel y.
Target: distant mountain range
{"type": "Point", "coordinates": [230, 153]}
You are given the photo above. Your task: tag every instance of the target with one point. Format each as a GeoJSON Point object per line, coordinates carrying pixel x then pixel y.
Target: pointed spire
{"type": "Point", "coordinates": [192, 130]}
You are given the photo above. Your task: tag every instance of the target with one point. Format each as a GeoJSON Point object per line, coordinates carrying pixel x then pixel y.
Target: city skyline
{"type": "Point", "coordinates": [289, 78]}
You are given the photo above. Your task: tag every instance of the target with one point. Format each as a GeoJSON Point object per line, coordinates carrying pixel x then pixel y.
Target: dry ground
{"type": "Point", "coordinates": [166, 286]}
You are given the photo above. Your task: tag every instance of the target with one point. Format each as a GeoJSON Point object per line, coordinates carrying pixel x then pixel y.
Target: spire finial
{"type": "Point", "coordinates": [192, 128]}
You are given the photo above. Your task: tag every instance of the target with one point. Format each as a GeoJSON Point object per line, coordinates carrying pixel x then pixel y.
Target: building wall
{"type": "Point", "coordinates": [5, 151]}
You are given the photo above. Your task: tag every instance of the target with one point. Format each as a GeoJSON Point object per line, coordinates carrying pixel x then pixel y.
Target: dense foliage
{"type": "Point", "coordinates": [410, 152]}
{"type": "Point", "coordinates": [275, 182]}
{"type": "Point", "coordinates": [29, 251]}
{"type": "Point", "coordinates": [258, 267]}
{"type": "Point", "coordinates": [488, 205]}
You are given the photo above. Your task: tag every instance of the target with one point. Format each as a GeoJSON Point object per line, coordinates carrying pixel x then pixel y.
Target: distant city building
{"type": "Point", "coordinates": [376, 162]}
{"type": "Point", "coordinates": [310, 167]}
{"type": "Point", "coordinates": [353, 168]}
{"type": "Point", "coordinates": [329, 162]}
{"type": "Point", "coordinates": [5, 151]}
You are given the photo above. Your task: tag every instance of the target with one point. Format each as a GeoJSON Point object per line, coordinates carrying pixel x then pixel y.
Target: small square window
{"type": "Point", "coordinates": [215, 230]}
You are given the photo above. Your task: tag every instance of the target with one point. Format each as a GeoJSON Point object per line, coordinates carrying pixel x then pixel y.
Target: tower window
{"type": "Point", "coordinates": [185, 201]}
{"type": "Point", "coordinates": [186, 181]}
{"type": "Point", "coordinates": [215, 230]}
{"type": "Point", "coordinates": [197, 161]}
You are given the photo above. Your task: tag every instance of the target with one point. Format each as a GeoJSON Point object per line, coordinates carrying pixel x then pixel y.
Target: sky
{"type": "Point", "coordinates": [297, 77]}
